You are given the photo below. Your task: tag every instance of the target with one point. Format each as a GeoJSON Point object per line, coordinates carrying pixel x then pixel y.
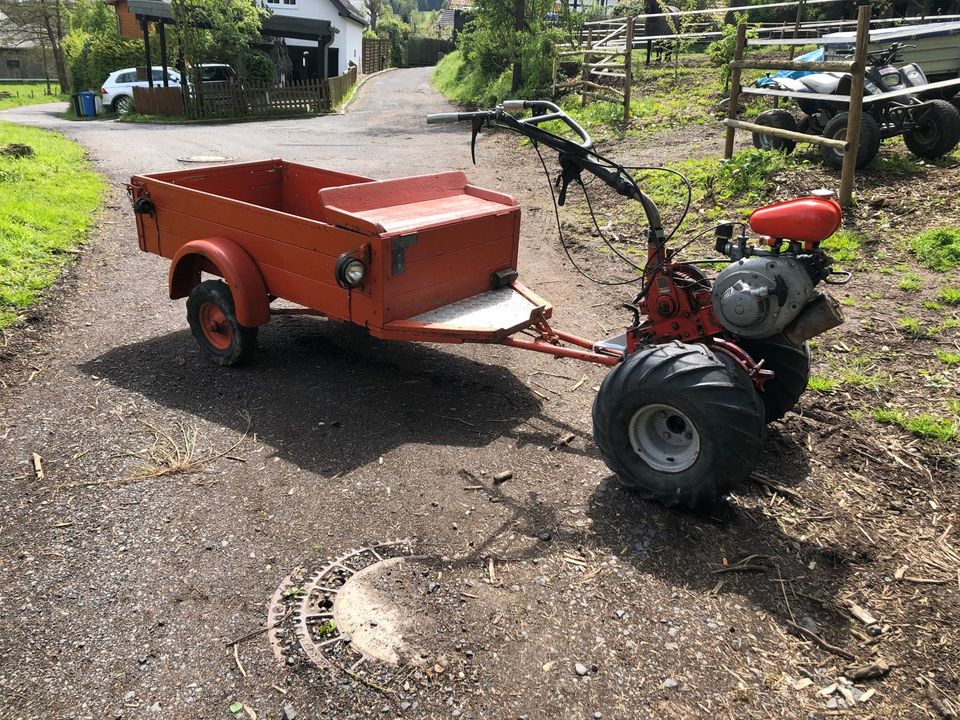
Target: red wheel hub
{"type": "Point", "coordinates": [216, 327]}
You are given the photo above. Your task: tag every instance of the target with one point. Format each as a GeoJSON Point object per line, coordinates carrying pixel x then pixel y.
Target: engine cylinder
{"type": "Point", "coordinates": [759, 296]}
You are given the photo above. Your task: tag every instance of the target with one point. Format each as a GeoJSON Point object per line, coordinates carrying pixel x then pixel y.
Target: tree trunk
{"type": "Point", "coordinates": [52, 27]}
{"type": "Point", "coordinates": [517, 61]}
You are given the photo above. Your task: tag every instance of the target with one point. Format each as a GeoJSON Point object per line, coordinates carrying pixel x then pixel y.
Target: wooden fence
{"type": "Point", "coordinates": [166, 101]}
{"type": "Point", "coordinates": [222, 100]}
{"type": "Point", "coordinates": [423, 51]}
{"type": "Point", "coordinates": [338, 87]}
{"type": "Point", "coordinates": [376, 54]}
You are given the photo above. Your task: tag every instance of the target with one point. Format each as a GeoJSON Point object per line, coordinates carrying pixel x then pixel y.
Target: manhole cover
{"type": "Point", "coordinates": [346, 607]}
{"type": "Point", "coordinates": [205, 159]}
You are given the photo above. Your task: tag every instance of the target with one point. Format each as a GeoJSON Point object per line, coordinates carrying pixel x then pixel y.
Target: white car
{"type": "Point", "coordinates": [117, 89]}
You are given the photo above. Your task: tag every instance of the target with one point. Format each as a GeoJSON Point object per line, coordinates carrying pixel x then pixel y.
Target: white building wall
{"type": "Point", "coordinates": [349, 39]}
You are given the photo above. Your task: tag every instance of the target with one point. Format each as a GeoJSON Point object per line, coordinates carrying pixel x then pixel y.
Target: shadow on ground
{"type": "Point", "coordinates": [688, 550]}
{"type": "Point", "coordinates": [330, 398]}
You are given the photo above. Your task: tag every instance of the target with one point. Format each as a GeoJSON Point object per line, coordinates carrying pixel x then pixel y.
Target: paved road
{"type": "Point", "coordinates": [382, 135]}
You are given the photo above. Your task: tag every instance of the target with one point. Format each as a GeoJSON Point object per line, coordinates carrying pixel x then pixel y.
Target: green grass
{"type": "Point", "coordinates": [822, 384]}
{"type": "Point", "coordinates": [937, 249]}
{"type": "Point", "coordinates": [869, 381]}
{"type": "Point", "coordinates": [924, 425]}
{"type": "Point", "coordinates": [912, 326]}
{"type": "Point", "coordinates": [28, 94]}
{"type": "Point", "coordinates": [910, 282]}
{"type": "Point", "coordinates": [947, 358]}
{"type": "Point", "coordinates": [844, 246]}
{"type": "Point", "coordinates": [950, 295]}
{"type": "Point", "coordinates": [48, 202]}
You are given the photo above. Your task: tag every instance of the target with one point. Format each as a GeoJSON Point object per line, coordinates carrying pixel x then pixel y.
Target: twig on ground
{"type": "Point", "coordinates": [259, 631]}
{"type": "Point", "coordinates": [821, 642]}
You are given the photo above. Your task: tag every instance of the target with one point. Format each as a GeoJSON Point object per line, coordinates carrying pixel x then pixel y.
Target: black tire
{"type": "Point", "coordinates": [123, 105]}
{"type": "Point", "coordinates": [776, 118]}
{"type": "Point", "coordinates": [791, 368]}
{"type": "Point", "coordinates": [700, 403]}
{"type": "Point", "coordinates": [936, 133]}
{"type": "Point", "coordinates": [213, 322]}
{"type": "Point", "coordinates": [836, 129]}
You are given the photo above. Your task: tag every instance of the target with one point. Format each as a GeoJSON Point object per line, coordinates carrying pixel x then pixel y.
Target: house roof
{"type": "Point", "coordinates": [276, 25]}
{"type": "Point", "coordinates": [12, 38]}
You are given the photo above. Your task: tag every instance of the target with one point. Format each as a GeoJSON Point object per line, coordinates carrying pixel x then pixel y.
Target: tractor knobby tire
{"type": "Point", "coordinates": [937, 133]}
{"type": "Point", "coordinates": [230, 343]}
{"type": "Point", "coordinates": [777, 118]}
{"type": "Point", "coordinates": [791, 369]}
{"type": "Point", "coordinates": [836, 129]}
{"type": "Point", "coordinates": [721, 405]}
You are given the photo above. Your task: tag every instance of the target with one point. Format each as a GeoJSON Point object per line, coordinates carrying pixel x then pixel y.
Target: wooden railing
{"type": "Point", "coordinates": [221, 100]}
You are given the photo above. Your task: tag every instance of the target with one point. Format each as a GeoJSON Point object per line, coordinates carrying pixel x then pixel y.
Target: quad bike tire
{"type": "Point", "coordinates": [937, 132]}
{"type": "Point", "coordinates": [836, 129]}
{"type": "Point", "coordinates": [213, 322]}
{"type": "Point", "coordinates": [777, 118]}
{"type": "Point", "coordinates": [678, 425]}
{"type": "Point", "coordinates": [791, 371]}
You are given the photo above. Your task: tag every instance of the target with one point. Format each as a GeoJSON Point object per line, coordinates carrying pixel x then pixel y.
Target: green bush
{"type": "Point", "coordinates": [92, 58]}
{"type": "Point", "coordinates": [257, 67]}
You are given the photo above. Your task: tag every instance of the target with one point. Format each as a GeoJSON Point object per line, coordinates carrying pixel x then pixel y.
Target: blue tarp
{"type": "Point", "coordinates": [812, 56]}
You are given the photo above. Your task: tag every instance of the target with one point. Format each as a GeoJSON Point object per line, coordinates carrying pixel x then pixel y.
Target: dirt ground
{"type": "Point", "coordinates": [554, 594]}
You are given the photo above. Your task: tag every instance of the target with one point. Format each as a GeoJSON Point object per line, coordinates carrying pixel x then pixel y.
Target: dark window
{"type": "Point", "coordinates": [13, 64]}
{"type": "Point", "coordinates": [124, 78]}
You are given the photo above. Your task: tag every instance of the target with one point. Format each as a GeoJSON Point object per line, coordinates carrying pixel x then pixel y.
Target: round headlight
{"type": "Point", "coordinates": [353, 273]}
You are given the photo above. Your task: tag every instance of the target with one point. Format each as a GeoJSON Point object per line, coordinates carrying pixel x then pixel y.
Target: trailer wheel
{"type": "Point", "coordinates": [937, 132]}
{"type": "Point", "coordinates": [213, 321]}
{"type": "Point", "coordinates": [791, 369]}
{"type": "Point", "coordinates": [678, 425]}
{"type": "Point", "coordinates": [836, 129]}
{"type": "Point", "coordinates": [776, 118]}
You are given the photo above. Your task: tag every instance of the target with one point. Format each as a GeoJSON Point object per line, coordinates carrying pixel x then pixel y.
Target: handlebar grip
{"type": "Point", "coordinates": [514, 105]}
{"type": "Point", "coordinates": [438, 118]}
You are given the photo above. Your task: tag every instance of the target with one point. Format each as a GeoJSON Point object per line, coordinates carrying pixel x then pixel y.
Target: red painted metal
{"type": "Point", "coordinates": [742, 359]}
{"type": "Point", "coordinates": [220, 256]}
{"type": "Point", "coordinates": [216, 329]}
{"type": "Point", "coordinates": [543, 346]}
{"type": "Point", "coordinates": [808, 220]}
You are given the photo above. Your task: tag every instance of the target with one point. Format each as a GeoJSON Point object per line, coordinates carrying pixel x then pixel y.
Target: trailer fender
{"type": "Point", "coordinates": [225, 258]}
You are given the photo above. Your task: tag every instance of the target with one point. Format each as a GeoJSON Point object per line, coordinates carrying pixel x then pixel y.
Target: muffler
{"type": "Point", "coordinates": [820, 314]}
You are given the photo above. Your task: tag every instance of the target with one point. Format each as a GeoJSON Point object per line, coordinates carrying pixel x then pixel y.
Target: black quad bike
{"type": "Point", "coordinates": [704, 364]}
{"type": "Point", "coordinates": [930, 128]}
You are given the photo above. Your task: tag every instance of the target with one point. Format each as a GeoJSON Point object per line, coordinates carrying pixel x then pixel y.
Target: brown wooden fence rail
{"type": "Point", "coordinates": [338, 87]}
{"type": "Point", "coordinates": [221, 100]}
{"type": "Point", "coordinates": [376, 54]}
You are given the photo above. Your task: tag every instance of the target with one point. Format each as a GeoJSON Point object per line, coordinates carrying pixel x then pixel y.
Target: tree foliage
{"type": "Point", "coordinates": [217, 31]}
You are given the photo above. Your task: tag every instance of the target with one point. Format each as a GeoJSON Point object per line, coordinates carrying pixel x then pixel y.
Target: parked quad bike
{"type": "Point", "coordinates": [930, 128]}
{"type": "Point", "coordinates": [705, 364]}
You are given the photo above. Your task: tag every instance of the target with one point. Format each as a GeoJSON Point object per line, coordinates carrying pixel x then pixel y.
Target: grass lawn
{"type": "Point", "coordinates": [28, 94]}
{"type": "Point", "coordinates": [47, 203]}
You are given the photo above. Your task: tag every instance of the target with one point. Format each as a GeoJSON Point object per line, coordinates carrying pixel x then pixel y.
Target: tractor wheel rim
{"type": "Point", "coordinates": [216, 328]}
{"type": "Point", "coordinates": [664, 438]}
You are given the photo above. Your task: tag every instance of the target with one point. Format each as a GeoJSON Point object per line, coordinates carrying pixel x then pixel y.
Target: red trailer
{"type": "Point", "coordinates": [698, 372]}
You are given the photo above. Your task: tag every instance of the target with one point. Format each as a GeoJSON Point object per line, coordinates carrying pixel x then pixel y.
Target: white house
{"type": "Point", "coordinates": [347, 22]}
{"type": "Point", "coordinates": [320, 36]}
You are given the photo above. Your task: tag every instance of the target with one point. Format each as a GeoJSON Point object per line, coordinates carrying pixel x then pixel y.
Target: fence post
{"type": "Point", "coordinates": [735, 89]}
{"type": "Point", "coordinates": [855, 111]}
{"type": "Point", "coordinates": [628, 69]}
{"type": "Point", "coordinates": [587, 59]}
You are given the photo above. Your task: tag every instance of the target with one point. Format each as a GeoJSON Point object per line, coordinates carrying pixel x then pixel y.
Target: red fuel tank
{"type": "Point", "coordinates": [808, 220]}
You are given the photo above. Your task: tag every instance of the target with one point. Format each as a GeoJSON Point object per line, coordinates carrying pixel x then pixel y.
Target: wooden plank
{"type": "Point", "coordinates": [823, 66]}
{"type": "Point", "coordinates": [855, 111]}
{"type": "Point", "coordinates": [786, 134]}
{"type": "Point", "coordinates": [839, 99]}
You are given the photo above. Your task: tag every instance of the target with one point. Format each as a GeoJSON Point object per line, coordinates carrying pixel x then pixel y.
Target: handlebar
{"type": "Point", "coordinates": [502, 113]}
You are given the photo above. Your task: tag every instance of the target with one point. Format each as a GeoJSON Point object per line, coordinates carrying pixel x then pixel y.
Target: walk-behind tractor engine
{"type": "Point", "coordinates": [704, 366]}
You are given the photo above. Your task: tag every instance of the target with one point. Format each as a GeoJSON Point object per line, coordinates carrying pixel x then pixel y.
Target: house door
{"type": "Point", "coordinates": [333, 62]}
